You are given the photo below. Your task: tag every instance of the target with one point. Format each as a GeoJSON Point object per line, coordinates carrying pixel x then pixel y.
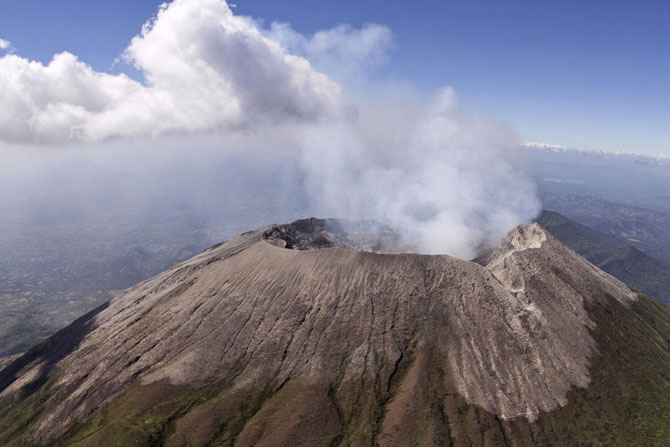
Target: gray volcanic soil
{"type": "Point", "coordinates": [293, 306]}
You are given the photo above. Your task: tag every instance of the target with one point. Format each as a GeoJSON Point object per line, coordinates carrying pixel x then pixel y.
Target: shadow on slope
{"type": "Point", "coordinates": [613, 255]}
{"type": "Point", "coordinates": [22, 408]}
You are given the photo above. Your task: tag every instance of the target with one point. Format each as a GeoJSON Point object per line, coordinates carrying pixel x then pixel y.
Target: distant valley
{"type": "Point", "coordinates": [645, 229]}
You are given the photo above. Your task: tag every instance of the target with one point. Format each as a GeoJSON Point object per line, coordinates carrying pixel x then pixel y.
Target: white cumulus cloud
{"type": "Point", "coordinates": [205, 70]}
{"type": "Point", "coordinates": [344, 52]}
{"type": "Point", "coordinates": [5, 44]}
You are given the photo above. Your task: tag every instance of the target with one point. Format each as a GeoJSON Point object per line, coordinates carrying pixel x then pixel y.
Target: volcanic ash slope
{"type": "Point", "coordinates": [299, 338]}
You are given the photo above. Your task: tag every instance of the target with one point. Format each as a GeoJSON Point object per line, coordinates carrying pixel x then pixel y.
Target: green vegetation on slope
{"type": "Point", "coordinates": [613, 255]}
{"type": "Point", "coordinates": [626, 404]}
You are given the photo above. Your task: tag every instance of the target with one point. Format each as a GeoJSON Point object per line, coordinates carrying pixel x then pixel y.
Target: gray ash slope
{"type": "Point", "coordinates": [318, 333]}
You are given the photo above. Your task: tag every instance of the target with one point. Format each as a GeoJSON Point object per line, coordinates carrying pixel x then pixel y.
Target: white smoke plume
{"type": "Point", "coordinates": [452, 182]}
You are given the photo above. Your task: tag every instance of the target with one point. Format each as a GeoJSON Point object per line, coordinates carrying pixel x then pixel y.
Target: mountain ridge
{"type": "Point", "coordinates": [614, 255]}
{"type": "Point", "coordinates": [251, 333]}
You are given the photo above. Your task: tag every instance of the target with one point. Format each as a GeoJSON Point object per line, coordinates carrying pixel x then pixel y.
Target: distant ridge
{"type": "Point", "coordinates": [655, 159]}
{"type": "Point", "coordinates": [613, 255]}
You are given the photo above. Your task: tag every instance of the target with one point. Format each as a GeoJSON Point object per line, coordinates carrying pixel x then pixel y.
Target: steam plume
{"type": "Point", "coordinates": [452, 182]}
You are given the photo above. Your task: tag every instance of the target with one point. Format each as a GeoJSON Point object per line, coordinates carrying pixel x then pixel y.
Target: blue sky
{"type": "Point", "coordinates": [592, 74]}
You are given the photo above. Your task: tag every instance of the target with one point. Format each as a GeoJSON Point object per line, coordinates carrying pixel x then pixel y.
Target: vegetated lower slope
{"type": "Point", "coordinates": [613, 255]}
{"type": "Point", "coordinates": [646, 229]}
{"type": "Point", "coordinates": [250, 343]}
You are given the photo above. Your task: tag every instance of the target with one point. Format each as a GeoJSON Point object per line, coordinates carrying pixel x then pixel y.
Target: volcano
{"type": "Point", "coordinates": [324, 332]}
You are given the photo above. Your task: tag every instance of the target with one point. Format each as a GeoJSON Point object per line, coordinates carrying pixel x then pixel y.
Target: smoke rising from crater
{"type": "Point", "coordinates": [451, 181]}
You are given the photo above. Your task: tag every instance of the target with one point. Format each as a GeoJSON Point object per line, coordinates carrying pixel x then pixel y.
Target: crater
{"type": "Point", "coordinates": [314, 234]}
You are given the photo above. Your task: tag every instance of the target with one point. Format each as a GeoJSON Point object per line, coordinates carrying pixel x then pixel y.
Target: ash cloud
{"type": "Point", "coordinates": [451, 181]}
